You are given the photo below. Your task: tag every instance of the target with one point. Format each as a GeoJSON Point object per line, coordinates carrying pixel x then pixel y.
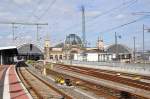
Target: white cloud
{"type": "Point", "coordinates": [2, 14]}
{"type": "Point", "coordinates": [9, 36]}
{"type": "Point", "coordinates": [28, 37]}
{"type": "Point", "coordinates": [120, 16]}
{"type": "Point", "coordinates": [8, 16]}
{"type": "Point", "coordinates": [22, 1]}
{"type": "Point", "coordinates": [92, 13]}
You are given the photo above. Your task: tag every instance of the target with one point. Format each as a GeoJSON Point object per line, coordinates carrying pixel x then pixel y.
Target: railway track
{"type": "Point", "coordinates": [116, 72]}
{"type": "Point", "coordinates": [38, 88]}
{"type": "Point", "coordinates": [86, 85]}
{"type": "Point", "coordinates": [98, 89]}
{"type": "Point", "coordinates": [106, 76]}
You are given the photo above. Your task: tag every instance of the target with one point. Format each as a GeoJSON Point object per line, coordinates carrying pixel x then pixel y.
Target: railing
{"type": "Point", "coordinates": [129, 67]}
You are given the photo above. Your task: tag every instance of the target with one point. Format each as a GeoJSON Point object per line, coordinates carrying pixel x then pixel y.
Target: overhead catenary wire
{"type": "Point", "coordinates": [126, 5]}
{"type": "Point", "coordinates": [34, 10]}
{"type": "Point", "coordinates": [122, 5]}
{"type": "Point", "coordinates": [122, 25]}
{"type": "Point", "coordinates": [22, 23]}
{"type": "Point", "coordinates": [48, 8]}
{"type": "Point", "coordinates": [141, 13]}
{"type": "Point", "coordinates": [32, 14]}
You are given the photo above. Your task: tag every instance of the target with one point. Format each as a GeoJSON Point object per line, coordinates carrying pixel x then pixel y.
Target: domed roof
{"type": "Point", "coordinates": [73, 39]}
{"type": "Point", "coordinates": [120, 48]}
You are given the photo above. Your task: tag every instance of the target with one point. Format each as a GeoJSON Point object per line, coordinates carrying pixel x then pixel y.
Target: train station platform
{"type": "Point", "coordinates": [3, 70]}
{"type": "Point", "coordinates": [13, 88]}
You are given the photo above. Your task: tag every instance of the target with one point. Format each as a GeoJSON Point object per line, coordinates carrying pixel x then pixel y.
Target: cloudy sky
{"type": "Point", "coordinates": [103, 18]}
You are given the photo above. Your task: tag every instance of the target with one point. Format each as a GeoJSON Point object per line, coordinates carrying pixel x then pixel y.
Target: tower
{"type": "Point", "coordinates": [83, 27]}
{"type": "Point", "coordinates": [100, 44]}
{"type": "Point", "coordinates": [47, 49]}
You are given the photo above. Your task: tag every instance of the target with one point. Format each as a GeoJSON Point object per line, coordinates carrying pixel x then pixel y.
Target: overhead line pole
{"type": "Point", "coordinates": [134, 48]}
{"type": "Point", "coordinates": [143, 42]}
{"type": "Point", "coordinates": [23, 23]}
{"type": "Point", "coordinates": [83, 34]}
{"type": "Point", "coordinates": [116, 45]}
{"type": "Point", "coordinates": [13, 31]}
{"type": "Point", "coordinates": [83, 26]}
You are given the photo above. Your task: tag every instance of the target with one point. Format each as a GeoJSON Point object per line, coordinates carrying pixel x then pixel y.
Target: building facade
{"type": "Point", "coordinates": [72, 49]}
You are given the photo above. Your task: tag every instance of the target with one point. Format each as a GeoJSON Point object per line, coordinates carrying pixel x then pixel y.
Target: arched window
{"type": "Point", "coordinates": [60, 56]}
{"type": "Point", "coordinates": [51, 56]}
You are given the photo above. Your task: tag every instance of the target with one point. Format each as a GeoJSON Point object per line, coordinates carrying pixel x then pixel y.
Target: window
{"type": "Point", "coordinates": [60, 56]}
{"type": "Point", "coordinates": [51, 56]}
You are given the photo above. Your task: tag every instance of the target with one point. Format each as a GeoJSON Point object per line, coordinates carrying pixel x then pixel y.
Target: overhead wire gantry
{"type": "Point", "coordinates": [24, 23]}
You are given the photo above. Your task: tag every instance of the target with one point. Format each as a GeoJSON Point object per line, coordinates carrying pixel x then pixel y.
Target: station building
{"type": "Point", "coordinates": [72, 49]}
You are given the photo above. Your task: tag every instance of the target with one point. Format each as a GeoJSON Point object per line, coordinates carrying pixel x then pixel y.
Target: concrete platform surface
{"type": "Point", "coordinates": [3, 70]}
{"type": "Point", "coordinates": [13, 88]}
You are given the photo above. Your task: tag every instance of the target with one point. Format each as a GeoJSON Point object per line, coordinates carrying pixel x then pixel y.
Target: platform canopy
{"type": "Point", "coordinates": [7, 54]}
{"type": "Point", "coordinates": [29, 51]}
{"type": "Point", "coordinates": [8, 48]}
{"type": "Point", "coordinates": [26, 49]}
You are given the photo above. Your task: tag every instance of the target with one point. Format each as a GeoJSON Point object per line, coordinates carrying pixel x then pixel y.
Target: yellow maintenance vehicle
{"type": "Point", "coordinates": [61, 80]}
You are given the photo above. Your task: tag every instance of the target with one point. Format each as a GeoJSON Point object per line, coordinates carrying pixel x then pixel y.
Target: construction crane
{"type": "Point", "coordinates": [23, 23]}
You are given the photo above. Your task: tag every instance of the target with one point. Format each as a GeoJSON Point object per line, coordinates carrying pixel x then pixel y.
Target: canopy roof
{"type": "Point", "coordinates": [8, 47]}
{"type": "Point", "coordinates": [31, 49]}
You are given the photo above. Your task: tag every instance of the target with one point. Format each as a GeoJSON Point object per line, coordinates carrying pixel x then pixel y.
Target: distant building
{"type": "Point", "coordinates": [100, 44]}
{"type": "Point", "coordinates": [67, 49]}
{"type": "Point", "coordinates": [119, 52]}
{"type": "Point", "coordinates": [139, 56]}
{"type": "Point", "coordinates": [72, 49]}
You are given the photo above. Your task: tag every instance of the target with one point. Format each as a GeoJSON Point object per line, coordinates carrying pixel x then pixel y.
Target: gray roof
{"type": "Point", "coordinates": [60, 45]}
{"type": "Point", "coordinates": [119, 47]}
{"type": "Point", "coordinates": [29, 49]}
